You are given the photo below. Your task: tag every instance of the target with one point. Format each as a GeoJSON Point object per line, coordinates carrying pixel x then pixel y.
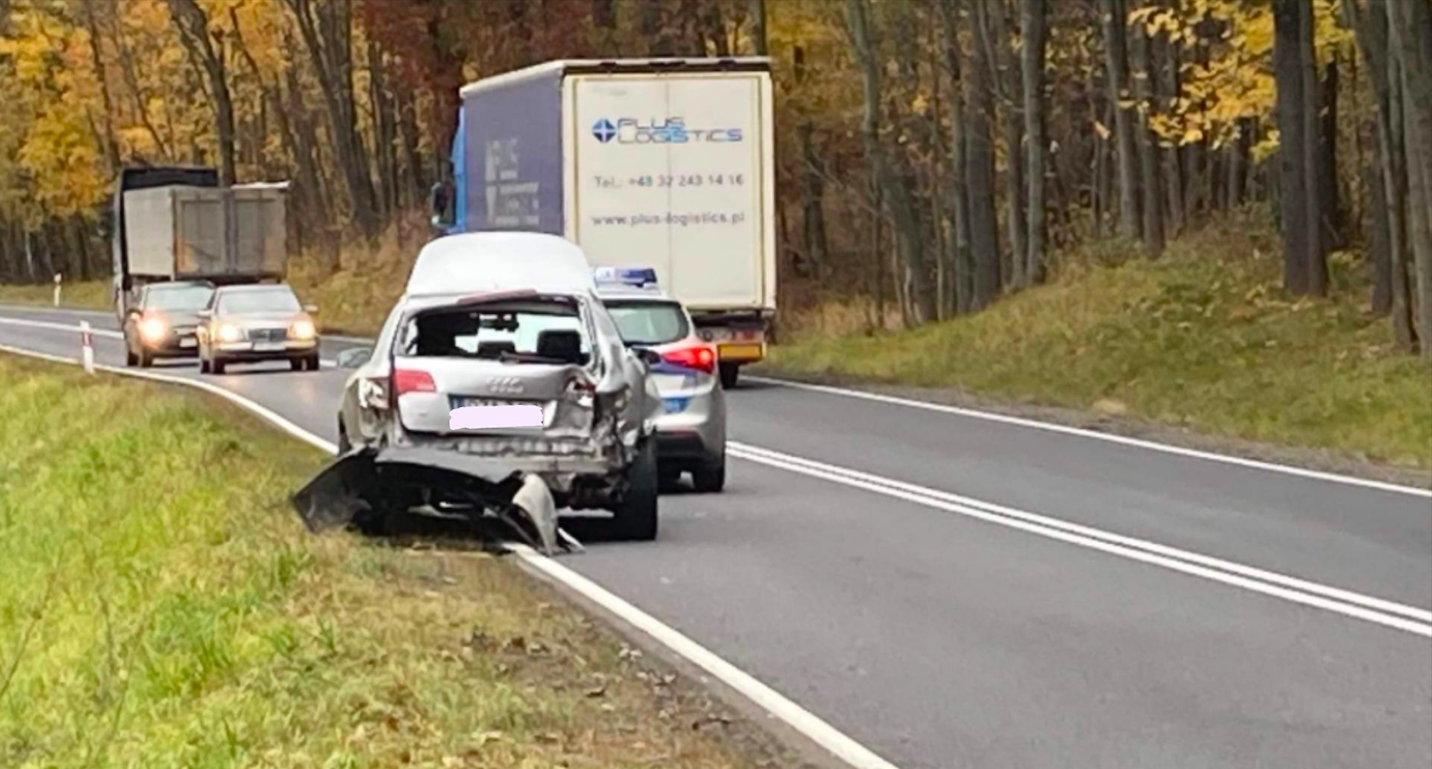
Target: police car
{"type": "Point", "coordinates": [691, 431]}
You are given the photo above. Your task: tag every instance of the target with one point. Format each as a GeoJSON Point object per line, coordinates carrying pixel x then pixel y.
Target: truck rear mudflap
{"type": "Point", "coordinates": [364, 485]}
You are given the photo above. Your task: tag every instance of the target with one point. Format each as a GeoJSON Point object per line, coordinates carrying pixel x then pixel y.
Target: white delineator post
{"type": "Point", "coordinates": [86, 344]}
{"type": "Point", "coordinates": [58, 278]}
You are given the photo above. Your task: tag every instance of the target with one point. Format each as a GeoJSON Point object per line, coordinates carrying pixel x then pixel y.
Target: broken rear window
{"type": "Point", "coordinates": [529, 331]}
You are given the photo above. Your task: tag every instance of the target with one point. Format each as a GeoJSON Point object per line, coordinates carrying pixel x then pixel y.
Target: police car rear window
{"type": "Point", "coordinates": [649, 323]}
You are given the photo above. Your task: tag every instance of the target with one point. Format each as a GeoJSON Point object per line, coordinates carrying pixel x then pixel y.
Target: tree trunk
{"type": "Point", "coordinates": [757, 9]}
{"type": "Point", "coordinates": [1032, 30]}
{"type": "Point", "coordinates": [813, 192]}
{"type": "Point", "coordinates": [1151, 207]}
{"type": "Point", "coordinates": [979, 170]}
{"type": "Point", "coordinates": [1379, 244]}
{"type": "Point", "coordinates": [1316, 254]}
{"type": "Point", "coordinates": [958, 257]}
{"type": "Point", "coordinates": [1165, 56]}
{"type": "Point", "coordinates": [1334, 217]}
{"type": "Point", "coordinates": [1115, 74]}
{"type": "Point", "coordinates": [1233, 195]}
{"type": "Point", "coordinates": [1009, 84]}
{"type": "Point", "coordinates": [1411, 25]}
{"type": "Point", "coordinates": [1298, 237]}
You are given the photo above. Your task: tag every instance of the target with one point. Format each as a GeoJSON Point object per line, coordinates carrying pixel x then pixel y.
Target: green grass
{"type": "Point", "coordinates": [1203, 338]}
{"type": "Point", "coordinates": [91, 295]}
{"type": "Point", "coordinates": [163, 607]}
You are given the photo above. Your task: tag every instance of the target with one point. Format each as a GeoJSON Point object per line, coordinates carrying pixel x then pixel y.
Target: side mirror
{"type": "Point", "coordinates": [310, 308]}
{"type": "Point", "coordinates": [354, 357]}
{"type": "Point", "coordinates": [440, 203]}
{"type": "Point", "coordinates": [205, 314]}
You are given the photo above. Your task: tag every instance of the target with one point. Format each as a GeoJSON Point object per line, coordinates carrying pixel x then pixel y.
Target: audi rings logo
{"type": "Point", "coordinates": [505, 385]}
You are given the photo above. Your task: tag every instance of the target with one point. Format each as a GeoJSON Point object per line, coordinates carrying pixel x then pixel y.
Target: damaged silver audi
{"type": "Point", "coordinates": [498, 384]}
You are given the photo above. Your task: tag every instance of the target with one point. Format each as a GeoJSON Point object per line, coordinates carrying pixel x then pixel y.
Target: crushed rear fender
{"type": "Point", "coordinates": [365, 483]}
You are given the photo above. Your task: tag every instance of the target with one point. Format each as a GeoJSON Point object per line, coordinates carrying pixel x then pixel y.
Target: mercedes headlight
{"type": "Point", "coordinates": [230, 333]}
{"type": "Point", "coordinates": [302, 329]}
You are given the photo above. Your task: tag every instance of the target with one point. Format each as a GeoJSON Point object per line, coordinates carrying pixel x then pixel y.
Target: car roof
{"type": "Point", "coordinates": [627, 294]}
{"type": "Point", "coordinates": [255, 288]}
{"type": "Point", "coordinates": [481, 262]}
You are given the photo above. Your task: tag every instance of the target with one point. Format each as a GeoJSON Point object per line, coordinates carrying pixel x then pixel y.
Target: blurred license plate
{"type": "Point", "coordinates": [268, 346]}
{"type": "Point", "coordinates": [461, 401]}
{"type": "Point", "coordinates": [741, 351]}
{"type": "Point", "coordinates": [188, 342]}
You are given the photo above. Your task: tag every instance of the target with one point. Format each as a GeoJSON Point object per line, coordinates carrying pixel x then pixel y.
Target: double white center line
{"type": "Point", "coordinates": [1383, 612]}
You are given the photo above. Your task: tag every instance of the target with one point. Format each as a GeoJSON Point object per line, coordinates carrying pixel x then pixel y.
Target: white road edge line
{"type": "Point", "coordinates": [49, 308]}
{"type": "Point", "coordinates": [1110, 437]}
{"type": "Point", "coordinates": [848, 478]}
{"type": "Point", "coordinates": [773, 702]}
{"type": "Point", "coordinates": [754, 453]}
{"type": "Point", "coordinates": [66, 327]}
{"type": "Point", "coordinates": [793, 715]}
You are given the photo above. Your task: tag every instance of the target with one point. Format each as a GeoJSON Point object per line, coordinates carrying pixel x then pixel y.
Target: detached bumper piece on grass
{"type": "Point", "coordinates": [364, 488]}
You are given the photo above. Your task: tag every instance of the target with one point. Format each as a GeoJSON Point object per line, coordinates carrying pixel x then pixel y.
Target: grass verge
{"type": "Point", "coordinates": [1202, 339]}
{"type": "Point", "coordinates": [162, 606]}
{"type": "Point", "coordinates": [89, 295]}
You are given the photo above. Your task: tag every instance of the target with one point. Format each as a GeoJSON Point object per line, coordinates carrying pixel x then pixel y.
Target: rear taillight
{"type": "Point", "coordinates": [698, 356]}
{"type": "Point", "coordinates": [410, 381]}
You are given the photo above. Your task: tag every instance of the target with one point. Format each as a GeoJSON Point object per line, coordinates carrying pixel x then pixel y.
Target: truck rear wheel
{"type": "Point", "coordinates": [635, 517]}
{"type": "Point", "coordinates": [729, 374]}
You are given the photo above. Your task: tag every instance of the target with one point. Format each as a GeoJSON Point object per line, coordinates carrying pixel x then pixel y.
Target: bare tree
{"type": "Point", "coordinates": [958, 245]}
{"type": "Point", "coordinates": [326, 29]}
{"type": "Point", "coordinates": [1298, 187]}
{"type": "Point", "coordinates": [201, 44]}
{"type": "Point", "coordinates": [979, 168]}
{"type": "Point", "coordinates": [1149, 183]}
{"type": "Point", "coordinates": [1032, 28]}
{"type": "Point", "coordinates": [1116, 75]}
{"type": "Point", "coordinates": [1411, 34]}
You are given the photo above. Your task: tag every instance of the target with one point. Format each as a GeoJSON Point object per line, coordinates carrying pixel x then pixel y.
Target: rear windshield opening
{"type": "Point", "coordinates": [649, 323]}
{"type": "Point", "coordinates": [528, 332]}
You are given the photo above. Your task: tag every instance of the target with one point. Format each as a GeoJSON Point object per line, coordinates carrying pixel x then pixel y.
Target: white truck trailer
{"type": "Point", "coordinates": [643, 163]}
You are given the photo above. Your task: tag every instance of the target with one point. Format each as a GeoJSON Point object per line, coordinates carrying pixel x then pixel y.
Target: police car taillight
{"type": "Point", "coordinates": [701, 357]}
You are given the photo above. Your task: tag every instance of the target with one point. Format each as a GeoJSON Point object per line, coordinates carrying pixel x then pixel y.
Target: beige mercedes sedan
{"type": "Point", "coordinates": [254, 323]}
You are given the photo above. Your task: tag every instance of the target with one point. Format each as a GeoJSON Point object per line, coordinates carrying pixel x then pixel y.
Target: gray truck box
{"type": "Point", "coordinates": [216, 233]}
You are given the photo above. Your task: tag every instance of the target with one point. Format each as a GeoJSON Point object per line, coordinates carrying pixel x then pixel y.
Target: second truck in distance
{"type": "Point", "coordinates": [663, 163]}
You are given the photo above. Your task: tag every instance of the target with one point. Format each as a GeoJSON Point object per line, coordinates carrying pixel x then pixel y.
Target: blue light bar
{"type": "Point", "coordinates": [637, 277]}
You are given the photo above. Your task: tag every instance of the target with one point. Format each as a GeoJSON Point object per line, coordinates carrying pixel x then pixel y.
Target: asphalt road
{"type": "Point", "coordinates": [942, 632]}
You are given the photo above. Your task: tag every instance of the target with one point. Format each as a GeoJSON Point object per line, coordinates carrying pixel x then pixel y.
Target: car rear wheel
{"type": "Point", "coordinates": [636, 515]}
{"type": "Point", "coordinates": [730, 372]}
{"type": "Point", "coordinates": [710, 478]}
